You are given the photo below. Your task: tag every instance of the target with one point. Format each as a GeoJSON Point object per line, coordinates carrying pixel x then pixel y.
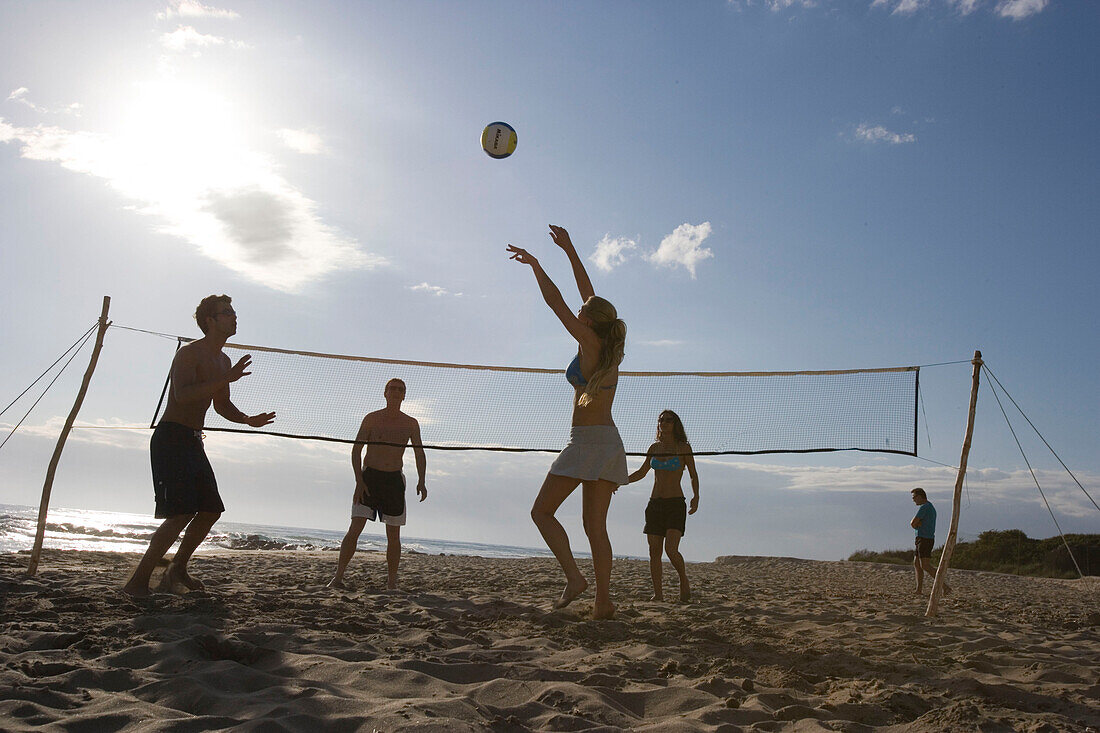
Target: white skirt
{"type": "Point", "coordinates": [594, 453]}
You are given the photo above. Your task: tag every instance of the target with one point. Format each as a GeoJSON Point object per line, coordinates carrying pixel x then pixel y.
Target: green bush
{"type": "Point", "coordinates": [1009, 551]}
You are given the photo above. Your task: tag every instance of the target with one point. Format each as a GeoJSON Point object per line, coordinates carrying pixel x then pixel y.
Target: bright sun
{"type": "Point", "coordinates": [184, 138]}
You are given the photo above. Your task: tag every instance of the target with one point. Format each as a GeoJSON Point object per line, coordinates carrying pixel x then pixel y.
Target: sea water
{"type": "Point", "coordinates": [89, 529]}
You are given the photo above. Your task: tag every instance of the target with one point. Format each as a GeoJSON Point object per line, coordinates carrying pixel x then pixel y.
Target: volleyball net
{"type": "Point", "coordinates": [475, 407]}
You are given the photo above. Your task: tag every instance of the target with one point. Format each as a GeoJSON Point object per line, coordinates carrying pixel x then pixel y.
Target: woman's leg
{"type": "Point", "coordinates": [672, 549]}
{"type": "Point", "coordinates": [554, 491]}
{"type": "Point", "coordinates": [655, 570]}
{"type": "Point", "coordinates": [597, 499]}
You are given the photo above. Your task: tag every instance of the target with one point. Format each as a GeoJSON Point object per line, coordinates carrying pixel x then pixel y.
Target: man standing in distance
{"type": "Point", "coordinates": [183, 481]}
{"type": "Point", "coordinates": [925, 524]}
{"type": "Point", "coordinates": [379, 482]}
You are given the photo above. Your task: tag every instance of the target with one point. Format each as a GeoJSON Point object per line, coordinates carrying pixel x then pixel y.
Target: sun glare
{"type": "Point", "coordinates": [184, 138]}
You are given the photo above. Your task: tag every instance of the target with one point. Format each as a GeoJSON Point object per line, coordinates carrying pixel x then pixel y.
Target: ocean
{"type": "Point", "coordinates": [88, 529]}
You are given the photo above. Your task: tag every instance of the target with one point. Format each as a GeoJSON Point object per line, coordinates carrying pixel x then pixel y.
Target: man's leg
{"type": "Point", "coordinates": [553, 492]}
{"type": "Point", "coordinates": [597, 500]}
{"type": "Point", "coordinates": [347, 550]}
{"type": "Point", "coordinates": [672, 549]}
{"type": "Point", "coordinates": [917, 566]}
{"type": "Point", "coordinates": [161, 541]}
{"type": "Point", "coordinates": [393, 554]}
{"type": "Point", "coordinates": [197, 529]}
{"type": "Point", "coordinates": [655, 570]}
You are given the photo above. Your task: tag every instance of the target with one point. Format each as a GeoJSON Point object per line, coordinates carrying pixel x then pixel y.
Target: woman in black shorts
{"type": "Point", "coordinates": [666, 513]}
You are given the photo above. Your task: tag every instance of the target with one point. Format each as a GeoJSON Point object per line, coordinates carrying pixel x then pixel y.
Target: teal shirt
{"type": "Point", "coordinates": [927, 516]}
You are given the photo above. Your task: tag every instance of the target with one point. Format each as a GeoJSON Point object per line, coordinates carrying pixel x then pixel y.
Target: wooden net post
{"type": "Point", "coordinates": [47, 487]}
{"type": "Point", "coordinates": [949, 545]}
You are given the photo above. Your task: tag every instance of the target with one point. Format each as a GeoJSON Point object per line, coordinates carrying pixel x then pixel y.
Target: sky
{"type": "Point", "coordinates": [756, 185]}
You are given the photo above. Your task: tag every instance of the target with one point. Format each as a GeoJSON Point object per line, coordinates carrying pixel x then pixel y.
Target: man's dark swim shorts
{"type": "Point", "coordinates": [183, 481]}
{"type": "Point", "coordinates": [661, 515]}
{"type": "Point", "coordinates": [385, 495]}
{"type": "Point", "coordinates": [924, 546]}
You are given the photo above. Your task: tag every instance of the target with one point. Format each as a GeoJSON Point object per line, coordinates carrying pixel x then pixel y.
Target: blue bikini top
{"type": "Point", "coordinates": [574, 376]}
{"type": "Point", "coordinates": [665, 464]}
{"type": "Point", "coordinates": [573, 373]}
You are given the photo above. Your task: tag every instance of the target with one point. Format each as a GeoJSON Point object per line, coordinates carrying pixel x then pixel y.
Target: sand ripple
{"type": "Point", "coordinates": [769, 644]}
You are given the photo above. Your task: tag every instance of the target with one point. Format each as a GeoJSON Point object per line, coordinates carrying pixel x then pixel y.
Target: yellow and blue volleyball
{"type": "Point", "coordinates": [498, 140]}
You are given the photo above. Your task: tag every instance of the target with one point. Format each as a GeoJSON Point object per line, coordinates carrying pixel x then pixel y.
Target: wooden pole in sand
{"type": "Point", "coordinates": [949, 545]}
{"type": "Point", "coordinates": [47, 487]}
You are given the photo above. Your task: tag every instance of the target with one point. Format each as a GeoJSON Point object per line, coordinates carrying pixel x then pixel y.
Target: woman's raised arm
{"type": "Point", "coordinates": [584, 335]}
{"type": "Point", "coordinates": [584, 283]}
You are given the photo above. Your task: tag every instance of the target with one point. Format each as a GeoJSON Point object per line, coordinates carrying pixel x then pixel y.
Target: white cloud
{"type": "Point", "coordinates": [610, 253]}
{"type": "Point", "coordinates": [777, 5]}
{"type": "Point", "coordinates": [258, 449]}
{"type": "Point", "coordinates": [879, 134]}
{"type": "Point", "coordinates": [683, 247]}
{"type": "Point", "coordinates": [186, 37]}
{"type": "Point", "coordinates": [434, 290]}
{"type": "Point", "coordinates": [301, 141]}
{"type": "Point", "coordinates": [193, 9]}
{"type": "Point", "coordinates": [965, 7]}
{"type": "Point", "coordinates": [184, 163]}
{"type": "Point", "coordinates": [423, 409]}
{"type": "Point", "coordinates": [255, 448]}
{"type": "Point", "coordinates": [1015, 9]}
{"type": "Point", "coordinates": [984, 484]}
{"type": "Point", "coordinates": [21, 96]}
{"type": "Point", "coordinates": [114, 433]}
{"type": "Point", "coordinates": [906, 7]}
{"type": "Point", "coordinates": [1020, 9]}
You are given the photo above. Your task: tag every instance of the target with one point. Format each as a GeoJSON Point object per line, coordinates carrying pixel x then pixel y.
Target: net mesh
{"type": "Point", "coordinates": [466, 407]}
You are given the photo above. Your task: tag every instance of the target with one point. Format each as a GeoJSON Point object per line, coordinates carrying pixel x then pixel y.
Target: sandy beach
{"type": "Point", "coordinates": [767, 644]}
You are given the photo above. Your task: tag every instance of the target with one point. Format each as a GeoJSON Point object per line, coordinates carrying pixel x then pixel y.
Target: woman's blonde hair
{"type": "Point", "coordinates": [612, 332]}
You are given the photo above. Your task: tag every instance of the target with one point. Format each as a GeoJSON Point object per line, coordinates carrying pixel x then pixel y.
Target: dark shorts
{"type": "Point", "coordinates": [385, 493]}
{"type": "Point", "coordinates": [661, 515]}
{"type": "Point", "coordinates": [183, 481]}
{"type": "Point", "coordinates": [924, 546]}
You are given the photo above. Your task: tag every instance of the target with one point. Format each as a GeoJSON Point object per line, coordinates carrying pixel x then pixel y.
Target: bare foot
{"type": "Point", "coordinates": [685, 593]}
{"type": "Point", "coordinates": [657, 597]}
{"type": "Point", "coordinates": [572, 590]}
{"type": "Point", "coordinates": [176, 576]}
{"type": "Point", "coordinates": [603, 611]}
{"type": "Point", "coordinates": [919, 591]}
{"type": "Point", "coordinates": [334, 583]}
{"type": "Point", "coordinates": [136, 590]}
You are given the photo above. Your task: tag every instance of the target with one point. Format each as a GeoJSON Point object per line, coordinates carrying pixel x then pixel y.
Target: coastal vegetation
{"type": "Point", "coordinates": [1008, 551]}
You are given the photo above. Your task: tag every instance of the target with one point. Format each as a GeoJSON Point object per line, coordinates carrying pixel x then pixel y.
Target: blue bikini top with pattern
{"type": "Point", "coordinates": [665, 464]}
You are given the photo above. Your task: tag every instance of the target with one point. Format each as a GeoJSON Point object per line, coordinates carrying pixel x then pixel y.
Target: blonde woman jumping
{"type": "Point", "coordinates": [594, 458]}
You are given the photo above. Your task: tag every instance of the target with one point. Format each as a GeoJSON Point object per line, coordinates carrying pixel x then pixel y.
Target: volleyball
{"type": "Point", "coordinates": [498, 140]}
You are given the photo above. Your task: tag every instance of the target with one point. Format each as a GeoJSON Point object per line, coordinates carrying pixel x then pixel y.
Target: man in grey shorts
{"type": "Point", "coordinates": [379, 482]}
